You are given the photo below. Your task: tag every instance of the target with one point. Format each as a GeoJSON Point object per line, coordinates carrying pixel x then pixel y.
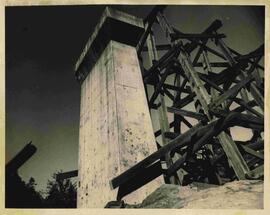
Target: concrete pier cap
{"type": "Point", "coordinates": [113, 25]}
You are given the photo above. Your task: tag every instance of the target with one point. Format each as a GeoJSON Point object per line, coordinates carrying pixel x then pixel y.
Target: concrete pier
{"type": "Point", "coordinates": [115, 125]}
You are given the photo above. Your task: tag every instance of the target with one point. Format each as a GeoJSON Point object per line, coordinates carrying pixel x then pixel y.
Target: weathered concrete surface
{"type": "Point", "coordinates": [233, 195]}
{"type": "Point", "coordinates": [115, 126]}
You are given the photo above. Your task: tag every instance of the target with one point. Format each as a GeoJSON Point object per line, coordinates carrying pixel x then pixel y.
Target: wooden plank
{"type": "Point", "coordinates": [207, 67]}
{"type": "Point", "coordinates": [148, 22]}
{"type": "Point", "coordinates": [259, 144]}
{"type": "Point", "coordinates": [195, 82]}
{"type": "Point", "coordinates": [168, 93]}
{"type": "Point", "coordinates": [258, 78]}
{"type": "Point", "coordinates": [65, 175]}
{"type": "Point", "coordinates": [247, 107]}
{"type": "Point", "coordinates": [177, 95]}
{"type": "Point", "coordinates": [151, 17]}
{"type": "Point", "coordinates": [143, 177]}
{"type": "Point", "coordinates": [232, 92]}
{"type": "Point", "coordinates": [165, 26]}
{"type": "Point", "coordinates": [20, 158]}
{"type": "Point", "coordinates": [257, 95]}
{"type": "Point", "coordinates": [256, 173]}
{"type": "Point", "coordinates": [195, 115]}
{"type": "Point", "coordinates": [187, 123]}
{"type": "Point", "coordinates": [226, 52]}
{"type": "Point", "coordinates": [234, 156]}
{"type": "Point", "coordinates": [253, 152]}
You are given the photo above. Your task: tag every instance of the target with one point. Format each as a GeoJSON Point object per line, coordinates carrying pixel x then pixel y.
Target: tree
{"type": "Point", "coordinates": [37, 199]}
{"type": "Point", "coordinates": [61, 193]}
{"type": "Point", "coordinates": [20, 194]}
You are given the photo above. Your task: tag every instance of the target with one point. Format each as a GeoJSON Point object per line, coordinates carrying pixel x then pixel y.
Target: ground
{"type": "Point", "coordinates": [244, 194]}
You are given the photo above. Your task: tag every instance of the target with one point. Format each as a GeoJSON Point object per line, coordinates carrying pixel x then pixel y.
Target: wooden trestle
{"type": "Point", "coordinates": [224, 93]}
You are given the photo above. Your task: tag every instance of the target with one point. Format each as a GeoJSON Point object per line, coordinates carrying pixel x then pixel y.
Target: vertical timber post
{"type": "Point", "coordinates": [162, 113]}
{"type": "Point", "coordinates": [115, 125]}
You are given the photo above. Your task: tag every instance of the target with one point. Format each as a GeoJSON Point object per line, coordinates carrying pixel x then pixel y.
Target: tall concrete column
{"type": "Point", "coordinates": [115, 125]}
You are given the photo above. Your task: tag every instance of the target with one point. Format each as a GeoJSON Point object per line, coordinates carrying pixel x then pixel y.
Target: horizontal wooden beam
{"type": "Point", "coordinates": [65, 175]}
{"type": "Point", "coordinates": [143, 177]}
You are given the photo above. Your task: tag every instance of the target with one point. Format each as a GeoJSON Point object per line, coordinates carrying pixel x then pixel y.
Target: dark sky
{"type": "Point", "coordinates": [42, 96]}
